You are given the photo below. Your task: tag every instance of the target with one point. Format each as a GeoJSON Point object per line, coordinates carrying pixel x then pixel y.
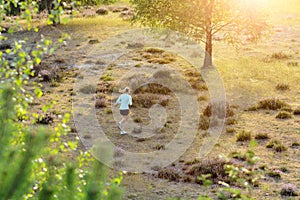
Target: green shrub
{"type": "Point", "coordinates": [33, 161]}
{"type": "Point", "coordinates": [18, 179]}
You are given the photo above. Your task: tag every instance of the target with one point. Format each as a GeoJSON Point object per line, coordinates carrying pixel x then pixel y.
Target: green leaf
{"type": "Point", "coordinates": [253, 144]}
{"type": "Point", "coordinates": [10, 30]}
{"type": "Point", "coordinates": [51, 51]}
{"type": "Point", "coordinates": [37, 60]}
{"type": "Point", "coordinates": [38, 92]}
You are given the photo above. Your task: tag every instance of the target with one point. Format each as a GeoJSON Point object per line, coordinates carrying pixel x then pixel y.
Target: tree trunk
{"type": "Point", "coordinates": [208, 50]}
{"type": "Point", "coordinates": [45, 5]}
{"type": "Point", "coordinates": [208, 33]}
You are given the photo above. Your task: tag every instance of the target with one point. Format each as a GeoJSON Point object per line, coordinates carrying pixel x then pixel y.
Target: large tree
{"type": "Point", "coordinates": [232, 20]}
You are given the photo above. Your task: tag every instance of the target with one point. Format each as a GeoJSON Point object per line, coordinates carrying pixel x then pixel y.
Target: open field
{"type": "Point", "coordinates": [262, 90]}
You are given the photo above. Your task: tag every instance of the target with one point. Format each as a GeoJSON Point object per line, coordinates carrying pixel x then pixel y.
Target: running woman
{"type": "Point", "coordinates": [124, 101]}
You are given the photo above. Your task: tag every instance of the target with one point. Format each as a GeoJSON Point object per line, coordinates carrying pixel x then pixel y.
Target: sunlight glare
{"type": "Point", "coordinates": [257, 3]}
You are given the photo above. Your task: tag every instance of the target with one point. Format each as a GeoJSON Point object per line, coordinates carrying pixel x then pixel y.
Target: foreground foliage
{"type": "Point", "coordinates": [32, 163]}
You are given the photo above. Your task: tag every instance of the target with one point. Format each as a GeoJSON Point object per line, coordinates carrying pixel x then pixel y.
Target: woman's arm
{"type": "Point", "coordinates": [118, 101]}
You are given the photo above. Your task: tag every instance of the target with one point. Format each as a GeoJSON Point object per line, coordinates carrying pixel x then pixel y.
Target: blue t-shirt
{"type": "Point", "coordinates": [124, 100]}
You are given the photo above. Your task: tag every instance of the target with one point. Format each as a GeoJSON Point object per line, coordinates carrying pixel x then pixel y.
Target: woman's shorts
{"type": "Point", "coordinates": [124, 112]}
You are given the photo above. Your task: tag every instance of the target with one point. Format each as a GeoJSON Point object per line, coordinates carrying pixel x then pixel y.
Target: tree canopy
{"type": "Point", "coordinates": [232, 20]}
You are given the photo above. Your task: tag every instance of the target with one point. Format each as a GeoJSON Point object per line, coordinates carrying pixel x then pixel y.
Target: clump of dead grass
{"type": "Point", "coordinates": [297, 111]}
{"type": "Point", "coordinates": [276, 145]}
{"type": "Point", "coordinates": [230, 130]}
{"type": "Point", "coordinates": [105, 87]}
{"type": "Point", "coordinates": [284, 115]}
{"type": "Point", "coordinates": [282, 87]}
{"type": "Point", "coordinates": [280, 56]}
{"type": "Point", "coordinates": [154, 88]}
{"type": "Point", "coordinates": [204, 122]}
{"type": "Point", "coordinates": [146, 100]}
{"type": "Point", "coordinates": [169, 174]}
{"type": "Point", "coordinates": [243, 136]}
{"type": "Point", "coordinates": [100, 103]}
{"type": "Point", "coordinates": [262, 136]}
{"type": "Point", "coordinates": [218, 107]}
{"type": "Point", "coordinates": [213, 166]}
{"type": "Point", "coordinates": [270, 104]}
{"type": "Point", "coordinates": [231, 121]}
{"type": "Point", "coordinates": [292, 64]}
{"type": "Point", "coordinates": [197, 83]}
{"type": "Point", "coordinates": [157, 56]}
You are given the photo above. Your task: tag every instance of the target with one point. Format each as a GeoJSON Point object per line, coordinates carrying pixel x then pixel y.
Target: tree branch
{"type": "Point", "coordinates": [222, 26]}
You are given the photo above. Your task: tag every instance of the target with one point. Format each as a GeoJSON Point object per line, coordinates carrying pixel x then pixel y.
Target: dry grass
{"type": "Point", "coordinates": [292, 64]}
{"type": "Point", "coordinates": [146, 100]}
{"type": "Point", "coordinates": [159, 147]}
{"type": "Point", "coordinates": [202, 98]}
{"type": "Point", "coordinates": [230, 130]}
{"type": "Point", "coordinates": [218, 108]}
{"type": "Point", "coordinates": [297, 111]}
{"type": "Point", "coordinates": [108, 111]}
{"type": "Point", "coordinates": [192, 73]}
{"type": "Point", "coordinates": [262, 136]}
{"type": "Point", "coordinates": [276, 145]}
{"type": "Point", "coordinates": [153, 88]}
{"type": "Point", "coordinates": [213, 166]}
{"type": "Point", "coordinates": [100, 103]}
{"type": "Point", "coordinates": [287, 109]}
{"type": "Point", "coordinates": [157, 56]}
{"type": "Point", "coordinates": [204, 122]}
{"type": "Point", "coordinates": [280, 56]}
{"type": "Point", "coordinates": [169, 174]}
{"type": "Point", "coordinates": [243, 136]}
{"type": "Point", "coordinates": [87, 89]}
{"type": "Point", "coordinates": [105, 87]}
{"type": "Point", "coordinates": [252, 79]}
{"type": "Point", "coordinates": [289, 190]}
{"type": "Point", "coordinates": [284, 115]}
{"type": "Point", "coordinates": [106, 77]}
{"type": "Point", "coordinates": [271, 104]}
{"type": "Point", "coordinates": [138, 120]}
{"type": "Point", "coordinates": [231, 121]}
{"type": "Point", "coordinates": [282, 87]}
{"type": "Point", "coordinates": [197, 83]}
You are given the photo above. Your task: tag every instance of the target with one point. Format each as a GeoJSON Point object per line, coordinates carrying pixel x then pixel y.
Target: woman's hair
{"type": "Point", "coordinates": [126, 90]}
